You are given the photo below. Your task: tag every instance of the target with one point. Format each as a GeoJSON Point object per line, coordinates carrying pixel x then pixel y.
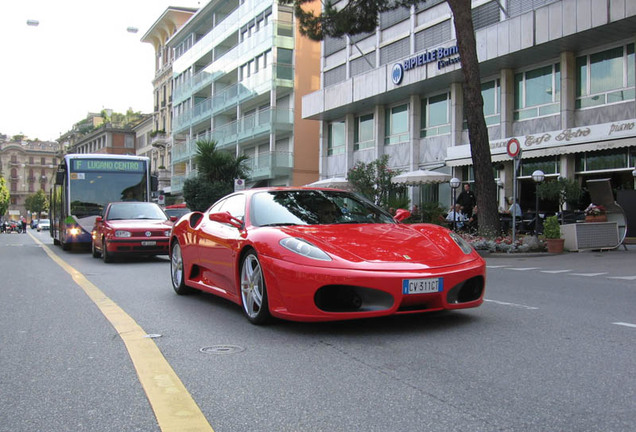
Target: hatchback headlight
{"type": "Point", "coordinates": [122, 233]}
{"type": "Point", "coordinates": [304, 248]}
{"type": "Point", "coordinates": [167, 233]}
{"type": "Point", "coordinates": [463, 244]}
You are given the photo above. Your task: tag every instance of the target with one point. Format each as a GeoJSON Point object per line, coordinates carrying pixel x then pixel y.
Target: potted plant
{"type": "Point", "coordinates": [552, 235]}
{"type": "Point", "coordinates": [595, 213]}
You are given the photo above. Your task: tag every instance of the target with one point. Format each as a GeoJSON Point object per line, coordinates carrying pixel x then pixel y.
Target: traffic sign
{"type": "Point", "coordinates": [513, 147]}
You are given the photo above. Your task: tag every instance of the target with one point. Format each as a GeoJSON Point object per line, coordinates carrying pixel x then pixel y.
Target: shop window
{"type": "Point", "coordinates": [549, 165]}
{"type": "Point", "coordinates": [397, 125]}
{"type": "Point", "coordinates": [605, 78]}
{"type": "Point", "coordinates": [435, 115]}
{"type": "Point", "coordinates": [363, 133]}
{"type": "Point", "coordinates": [336, 138]}
{"type": "Point", "coordinates": [537, 92]}
{"type": "Point", "coordinates": [603, 160]}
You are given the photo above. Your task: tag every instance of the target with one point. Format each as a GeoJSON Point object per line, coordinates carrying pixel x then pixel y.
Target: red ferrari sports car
{"type": "Point", "coordinates": [306, 254]}
{"type": "Point", "coordinates": [131, 228]}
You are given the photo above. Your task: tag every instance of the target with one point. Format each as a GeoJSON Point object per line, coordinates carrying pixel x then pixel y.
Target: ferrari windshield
{"type": "Point", "coordinates": [313, 207]}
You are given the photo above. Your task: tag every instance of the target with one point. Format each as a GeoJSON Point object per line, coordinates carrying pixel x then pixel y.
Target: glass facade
{"type": "Point", "coordinates": [537, 92]}
{"type": "Point", "coordinates": [363, 133]}
{"type": "Point", "coordinates": [397, 125]}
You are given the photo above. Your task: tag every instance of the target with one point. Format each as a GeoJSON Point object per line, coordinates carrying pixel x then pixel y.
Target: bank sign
{"type": "Point", "coordinates": [443, 56]}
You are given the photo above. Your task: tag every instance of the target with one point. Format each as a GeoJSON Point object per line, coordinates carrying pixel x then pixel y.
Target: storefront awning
{"type": "Point", "coordinates": [569, 141]}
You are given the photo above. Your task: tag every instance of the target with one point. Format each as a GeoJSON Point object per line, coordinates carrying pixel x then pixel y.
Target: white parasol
{"type": "Point", "coordinates": [418, 177]}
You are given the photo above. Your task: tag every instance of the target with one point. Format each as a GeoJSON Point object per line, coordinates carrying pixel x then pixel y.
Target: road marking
{"type": "Point", "coordinates": [588, 274]}
{"type": "Point", "coordinates": [511, 304]}
{"type": "Point", "coordinates": [555, 271]}
{"type": "Point", "coordinates": [171, 402]}
{"type": "Point", "coordinates": [625, 324]}
{"type": "Point", "coordinates": [622, 277]}
{"type": "Point", "coordinates": [497, 266]}
{"type": "Point", "coordinates": [522, 268]}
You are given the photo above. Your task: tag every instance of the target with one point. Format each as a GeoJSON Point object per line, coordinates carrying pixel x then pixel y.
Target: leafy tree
{"type": "Point", "coordinates": [563, 190]}
{"type": "Point", "coordinates": [37, 203]}
{"type": "Point", "coordinates": [217, 171]}
{"type": "Point", "coordinates": [373, 181]}
{"type": "Point", "coordinates": [4, 197]}
{"type": "Point", "coordinates": [362, 16]}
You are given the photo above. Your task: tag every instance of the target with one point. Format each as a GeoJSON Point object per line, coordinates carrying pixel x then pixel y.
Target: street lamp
{"type": "Point", "coordinates": [454, 183]}
{"type": "Point", "coordinates": [538, 176]}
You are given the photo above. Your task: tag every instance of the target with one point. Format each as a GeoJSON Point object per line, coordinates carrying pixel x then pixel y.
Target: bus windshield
{"type": "Point", "coordinates": [91, 191]}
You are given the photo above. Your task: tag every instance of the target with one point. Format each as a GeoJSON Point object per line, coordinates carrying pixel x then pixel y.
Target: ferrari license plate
{"type": "Point", "coordinates": [149, 243]}
{"type": "Point", "coordinates": [422, 286]}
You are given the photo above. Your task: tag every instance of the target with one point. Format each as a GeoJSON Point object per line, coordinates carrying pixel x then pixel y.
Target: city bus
{"type": "Point", "coordinates": [86, 183]}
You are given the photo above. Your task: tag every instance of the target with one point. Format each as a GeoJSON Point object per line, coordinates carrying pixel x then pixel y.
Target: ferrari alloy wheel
{"type": "Point", "coordinates": [94, 250]}
{"type": "Point", "coordinates": [105, 255]}
{"type": "Point", "coordinates": [253, 291]}
{"type": "Point", "coordinates": [176, 271]}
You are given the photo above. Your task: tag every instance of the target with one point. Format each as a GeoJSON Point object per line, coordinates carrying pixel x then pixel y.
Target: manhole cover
{"type": "Point", "coordinates": [222, 349]}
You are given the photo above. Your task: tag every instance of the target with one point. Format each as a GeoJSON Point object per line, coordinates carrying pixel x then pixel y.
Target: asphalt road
{"type": "Point", "coordinates": [552, 349]}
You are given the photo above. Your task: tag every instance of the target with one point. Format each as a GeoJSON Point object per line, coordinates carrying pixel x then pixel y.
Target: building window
{"type": "Point", "coordinates": [363, 132]}
{"type": "Point", "coordinates": [336, 138]}
{"type": "Point", "coordinates": [435, 116]}
{"type": "Point", "coordinates": [606, 77]}
{"type": "Point", "coordinates": [397, 125]}
{"type": "Point", "coordinates": [491, 94]}
{"type": "Point", "coordinates": [537, 92]}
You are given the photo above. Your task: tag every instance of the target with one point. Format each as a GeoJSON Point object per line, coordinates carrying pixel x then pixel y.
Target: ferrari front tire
{"type": "Point", "coordinates": [176, 271]}
{"type": "Point", "coordinates": [253, 290]}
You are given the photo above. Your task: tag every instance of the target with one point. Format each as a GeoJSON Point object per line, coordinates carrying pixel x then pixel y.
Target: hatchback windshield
{"type": "Point", "coordinates": [313, 207]}
{"type": "Point", "coordinates": [135, 210]}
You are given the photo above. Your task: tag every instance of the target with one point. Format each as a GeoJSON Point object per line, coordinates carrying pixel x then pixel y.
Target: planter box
{"type": "Point", "coordinates": [597, 235]}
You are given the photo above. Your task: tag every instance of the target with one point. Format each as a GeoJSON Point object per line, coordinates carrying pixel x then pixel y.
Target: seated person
{"type": "Point", "coordinates": [472, 224]}
{"type": "Point", "coordinates": [456, 218]}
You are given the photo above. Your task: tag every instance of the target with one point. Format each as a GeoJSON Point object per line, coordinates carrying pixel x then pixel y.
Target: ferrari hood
{"type": "Point", "coordinates": [381, 243]}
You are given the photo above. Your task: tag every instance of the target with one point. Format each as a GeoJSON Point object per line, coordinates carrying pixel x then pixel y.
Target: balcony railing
{"type": "Point", "coordinates": [269, 165]}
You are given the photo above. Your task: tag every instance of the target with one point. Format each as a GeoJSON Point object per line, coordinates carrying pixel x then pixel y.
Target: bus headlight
{"type": "Point", "coordinates": [121, 233]}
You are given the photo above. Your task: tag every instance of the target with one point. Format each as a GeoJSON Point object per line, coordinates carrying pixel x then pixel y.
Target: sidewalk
{"type": "Point", "coordinates": [621, 258]}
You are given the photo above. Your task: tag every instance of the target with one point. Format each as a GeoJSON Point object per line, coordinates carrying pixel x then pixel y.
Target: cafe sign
{"type": "Point", "coordinates": [597, 134]}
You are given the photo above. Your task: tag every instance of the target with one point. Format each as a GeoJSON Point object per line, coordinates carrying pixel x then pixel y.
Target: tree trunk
{"type": "Point", "coordinates": [485, 186]}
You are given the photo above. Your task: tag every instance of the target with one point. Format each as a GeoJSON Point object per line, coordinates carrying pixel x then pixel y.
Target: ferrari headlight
{"type": "Point", "coordinates": [463, 244]}
{"type": "Point", "coordinates": [122, 233]}
{"type": "Point", "coordinates": [304, 248]}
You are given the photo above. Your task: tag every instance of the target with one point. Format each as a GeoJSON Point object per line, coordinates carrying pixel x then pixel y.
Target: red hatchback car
{"type": "Point", "coordinates": [308, 254]}
{"type": "Point", "coordinates": [131, 228]}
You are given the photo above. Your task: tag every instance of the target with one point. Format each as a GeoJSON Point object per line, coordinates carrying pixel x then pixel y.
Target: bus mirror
{"type": "Point", "coordinates": [59, 177]}
{"type": "Point", "coordinates": [154, 183]}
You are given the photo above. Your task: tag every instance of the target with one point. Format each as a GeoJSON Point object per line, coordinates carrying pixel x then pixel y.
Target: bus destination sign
{"type": "Point", "coordinates": [105, 165]}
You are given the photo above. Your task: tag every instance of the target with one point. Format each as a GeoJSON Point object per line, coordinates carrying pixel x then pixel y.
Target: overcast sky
{"type": "Point", "coordinates": [79, 59]}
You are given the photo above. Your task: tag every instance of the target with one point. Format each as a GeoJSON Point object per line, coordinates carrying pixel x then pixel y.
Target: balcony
{"type": "Point", "coordinates": [254, 126]}
{"type": "Point", "coordinates": [270, 165]}
{"type": "Point", "coordinates": [160, 140]}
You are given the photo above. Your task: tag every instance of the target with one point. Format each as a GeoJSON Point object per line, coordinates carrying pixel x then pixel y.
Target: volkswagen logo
{"type": "Point", "coordinates": [148, 233]}
{"type": "Point", "coordinates": [397, 73]}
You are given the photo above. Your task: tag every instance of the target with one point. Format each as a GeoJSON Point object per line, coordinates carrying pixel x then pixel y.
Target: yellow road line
{"type": "Point", "coordinates": [173, 405]}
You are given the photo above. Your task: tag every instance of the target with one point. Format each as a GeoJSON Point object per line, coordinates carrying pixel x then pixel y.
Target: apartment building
{"type": "Point", "coordinates": [157, 144]}
{"type": "Point", "coordinates": [240, 69]}
{"type": "Point", "coordinates": [558, 75]}
{"type": "Point", "coordinates": [27, 166]}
